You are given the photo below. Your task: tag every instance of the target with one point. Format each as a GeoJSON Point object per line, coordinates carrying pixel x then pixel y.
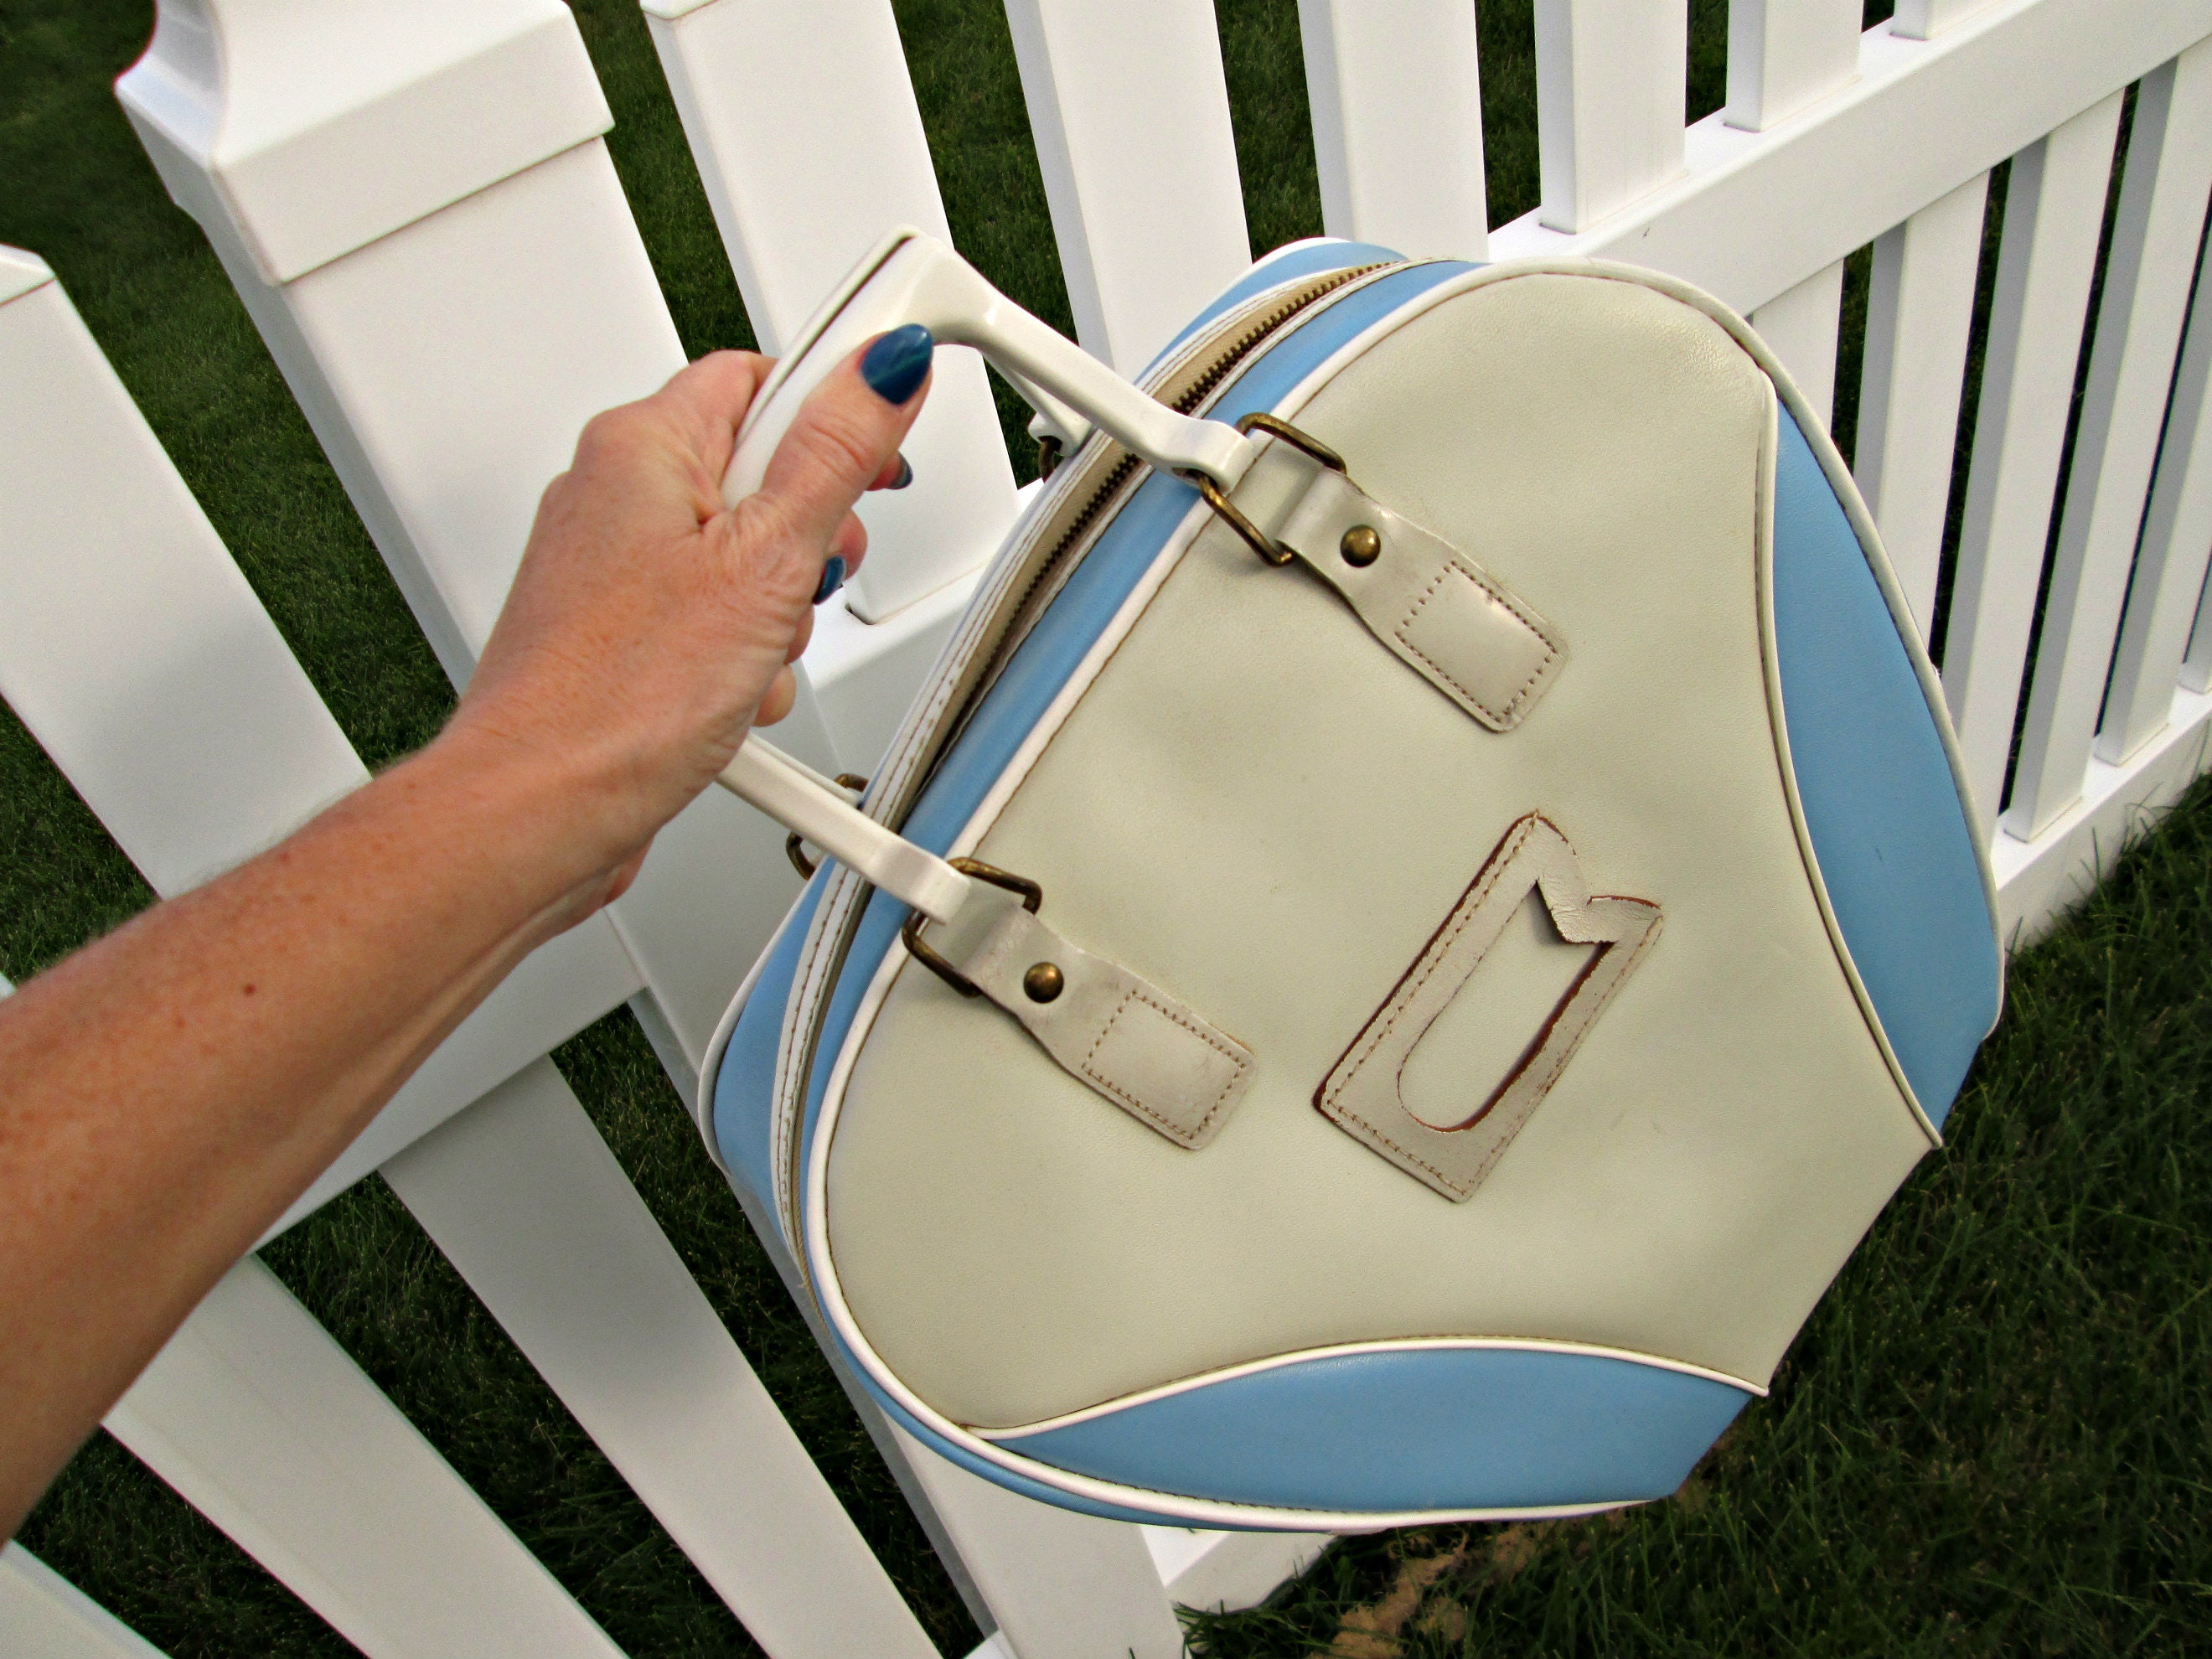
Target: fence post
{"type": "Point", "coordinates": [2054, 210]}
{"type": "Point", "coordinates": [802, 119]}
{"type": "Point", "coordinates": [446, 271]}
{"type": "Point", "coordinates": [1396, 96]}
{"type": "Point", "coordinates": [2155, 236]}
{"type": "Point", "coordinates": [1131, 113]}
{"type": "Point", "coordinates": [1609, 88]}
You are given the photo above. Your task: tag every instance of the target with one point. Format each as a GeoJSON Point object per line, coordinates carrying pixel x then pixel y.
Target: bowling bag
{"type": "Point", "coordinates": [1426, 905]}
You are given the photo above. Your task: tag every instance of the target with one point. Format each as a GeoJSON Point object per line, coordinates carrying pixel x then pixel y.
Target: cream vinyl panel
{"type": "Point", "coordinates": [1258, 807]}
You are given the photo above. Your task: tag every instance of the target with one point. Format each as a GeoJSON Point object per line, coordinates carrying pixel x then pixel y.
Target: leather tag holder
{"type": "Point", "coordinates": [1146, 1051]}
{"type": "Point", "coordinates": [1446, 617]}
{"type": "Point", "coordinates": [1363, 1093]}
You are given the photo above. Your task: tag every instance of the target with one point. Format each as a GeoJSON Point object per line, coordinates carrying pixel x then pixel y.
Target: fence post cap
{"type": "Point", "coordinates": [318, 130]}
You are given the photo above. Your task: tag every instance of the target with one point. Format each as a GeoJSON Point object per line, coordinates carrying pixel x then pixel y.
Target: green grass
{"type": "Point", "coordinates": [1991, 1437]}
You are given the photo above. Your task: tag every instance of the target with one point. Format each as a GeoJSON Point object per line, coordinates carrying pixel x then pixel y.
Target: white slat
{"type": "Point", "coordinates": [1920, 311]}
{"type": "Point", "coordinates": [2054, 207]}
{"type": "Point", "coordinates": [44, 1616]}
{"type": "Point", "coordinates": [1801, 326]}
{"type": "Point", "coordinates": [1131, 116]}
{"type": "Point", "coordinates": [267, 1428]}
{"type": "Point", "coordinates": [1783, 55]}
{"type": "Point", "coordinates": [132, 648]}
{"type": "Point", "coordinates": [2153, 255]}
{"type": "Point", "coordinates": [1609, 87]}
{"type": "Point", "coordinates": [803, 120]}
{"type": "Point", "coordinates": [525, 1199]}
{"type": "Point", "coordinates": [1923, 19]}
{"type": "Point", "coordinates": [1921, 120]}
{"type": "Point", "coordinates": [2164, 592]}
{"type": "Point", "coordinates": [1061, 1585]}
{"type": "Point", "coordinates": [1396, 96]}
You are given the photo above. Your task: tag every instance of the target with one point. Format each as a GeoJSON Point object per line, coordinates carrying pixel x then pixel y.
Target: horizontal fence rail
{"type": "Point", "coordinates": [418, 209]}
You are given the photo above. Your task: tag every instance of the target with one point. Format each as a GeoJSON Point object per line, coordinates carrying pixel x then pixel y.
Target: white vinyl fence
{"type": "Point", "coordinates": [413, 199]}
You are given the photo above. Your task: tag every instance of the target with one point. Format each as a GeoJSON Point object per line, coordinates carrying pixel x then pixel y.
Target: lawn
{"type": "Point", "coordinates": [1993, 1435]}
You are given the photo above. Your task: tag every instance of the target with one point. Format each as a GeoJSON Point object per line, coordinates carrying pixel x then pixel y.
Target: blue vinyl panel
{"type": "Point", "coordinates": [1893, 841]}
{"type": "Point", "coordinates": [1409, 1429]}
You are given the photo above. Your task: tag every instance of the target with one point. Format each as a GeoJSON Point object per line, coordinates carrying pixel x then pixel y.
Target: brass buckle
{"type": "Point", "coordinates": [928, 954]}
{"type": "Point", "coordinates": [1270, 550]}
{"type": "Point", "coordinates": [794, 845]}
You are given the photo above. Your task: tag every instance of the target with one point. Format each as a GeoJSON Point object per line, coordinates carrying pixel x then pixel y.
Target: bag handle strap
{"type": "Point", "coordinates": [801, 799]}
{"type": "Point", "coordinates": [912, 277]}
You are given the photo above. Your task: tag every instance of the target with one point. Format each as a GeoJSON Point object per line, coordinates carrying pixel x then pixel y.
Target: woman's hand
{"type": "Point", "coordinates": [174, 1086]}
{"type": "Point", "coordinates": [649, 626]}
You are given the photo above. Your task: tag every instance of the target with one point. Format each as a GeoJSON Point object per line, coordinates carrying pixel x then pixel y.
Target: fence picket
{"type": "Point", "coordinates": [1755, 214]}
{"type": "Point", "coordinates": [809, 142]}
{"type": "Point", "coordinates": [2177, 543]}
{"type": "Point", "coordinates": [1923, 19]}
{"type": "Point", "coordinates": [523, 1198]}
{"type": "Point", "coordinates": [1785, 54]}
{"type": "Point", "coordinates": [1061, 1585]}
{"type": "Point", "coordinates": [1801, 325]}
{"type": "Point", "coordinates": [44, 1616]}
{"type": "Point", "coordinates": [267, 1428]}
{"type": "Point", "coordinates": [1130, 112]}
{"type": "Point", "coordinates": [1920, 311]}
{"type": "Point", "coordinates": [2155, 236]}
{"type": "Point", "coordinates": [1396, 97]}
{"type": "Point", "coordinates": [1609, 81]}
{"type": "Point", "coordinates": [2054, 208]}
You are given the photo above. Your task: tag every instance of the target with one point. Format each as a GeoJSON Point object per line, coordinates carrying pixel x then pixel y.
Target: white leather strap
{"type": "Point", "coordinates": [1149, 1053]}
{"type": "Point", "coordinates": [912, 277]}
{"type": "Point", "coordinates": [1445, 617]}
{"type": "Point", "coordinates": [1363, 1094]}
{"type": "Point", "coordinates": [801, 799]}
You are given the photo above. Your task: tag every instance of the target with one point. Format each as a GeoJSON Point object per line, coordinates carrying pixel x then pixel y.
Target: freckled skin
{"type": "Point", "coordinates": [649, 628]}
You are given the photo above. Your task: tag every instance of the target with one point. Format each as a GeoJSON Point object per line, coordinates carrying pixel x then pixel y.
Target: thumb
{"type": "Point", "coordinates": [845, 433]}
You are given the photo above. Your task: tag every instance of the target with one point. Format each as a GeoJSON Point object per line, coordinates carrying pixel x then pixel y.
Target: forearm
{"type": "Point", "coordinates": [170, 1091]}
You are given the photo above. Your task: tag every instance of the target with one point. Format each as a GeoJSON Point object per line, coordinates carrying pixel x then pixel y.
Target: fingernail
{"type": "Point", "coordinates": [905, 476]}
{"type": "Point", "coordinates": [832, 578]}
{"type": "Point", "coordinates": [897, 362]}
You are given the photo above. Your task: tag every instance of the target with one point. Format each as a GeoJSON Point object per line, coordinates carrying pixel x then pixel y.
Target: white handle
{"type": "Point", "coordinates": [801, 799]}
{"type": "Point", "coordinates": [912, 277]}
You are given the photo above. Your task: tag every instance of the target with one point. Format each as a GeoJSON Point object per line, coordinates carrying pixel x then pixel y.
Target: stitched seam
{"type": "Point", "coordinates": [1437, 950]}
{"type": "Point", "coordinates": [1138, 1106]}
{"type": "Point", "coordinates": [1521, 695]}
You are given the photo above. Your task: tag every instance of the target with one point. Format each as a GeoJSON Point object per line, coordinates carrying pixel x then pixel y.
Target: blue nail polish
{"type": "Point", "coordinates": [905, 476]}
{"type": "Point", "coordinates": [832, 578]}
{"type": "Point", "coordinates": [897, 362]}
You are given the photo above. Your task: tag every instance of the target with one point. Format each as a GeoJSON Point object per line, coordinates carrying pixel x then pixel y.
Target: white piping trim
{"type": "Point", "coordinates": [1349, 1349]}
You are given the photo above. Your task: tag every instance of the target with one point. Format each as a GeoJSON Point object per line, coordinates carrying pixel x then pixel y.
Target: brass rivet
{"type": "Point", "coordinates": [1361, 546]}
{"type": "Point", "coordinates": [1044, 982]}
